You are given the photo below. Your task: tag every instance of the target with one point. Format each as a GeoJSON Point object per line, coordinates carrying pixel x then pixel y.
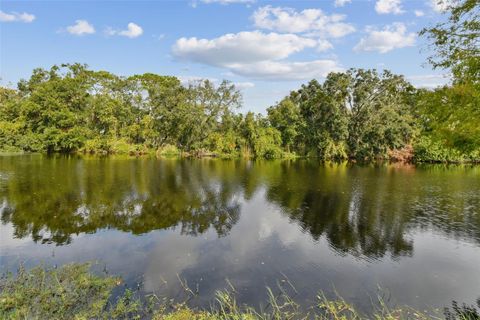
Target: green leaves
{"type": "Point", "coordinates": [450, 118]}
{"type": "Point", "coordinates": [456, 41]}
{"type": "Point", "coordinates": [356, 114]}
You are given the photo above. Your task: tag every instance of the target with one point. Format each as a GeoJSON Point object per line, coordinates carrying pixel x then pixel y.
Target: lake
{"type": "Point", "coordinates": [410, 234]}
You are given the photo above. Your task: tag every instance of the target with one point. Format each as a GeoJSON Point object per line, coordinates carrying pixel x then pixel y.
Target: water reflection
{"type": "Point", "coordinates": [51, 200]}
{"type": "Point", "coordinates": [414, 230]}
{"type": "Point", "coordinates": [360, 210]}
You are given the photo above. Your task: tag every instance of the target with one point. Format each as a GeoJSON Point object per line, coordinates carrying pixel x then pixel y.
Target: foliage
{"type": "Point", "coordinates": [358, 114]}
{"type": "Point", "coordinates": [325, 119]}
{"type": "Point", "coordinates": [456, 40]}
{"type": "Point", "coordinates": [449, 117]}
{"type": "Point", "coordinates": [463, 312]}
{"type": "Point", "coordinates": [71, 108]}
{"type": "Point", "coordinates": [168, 151]}
{"type": "Point", "coordinates": [65, 293]}
{"type": "Point", "coordinates": [72, 292]}
{"type": "Point", "coordinates": [286, 118]}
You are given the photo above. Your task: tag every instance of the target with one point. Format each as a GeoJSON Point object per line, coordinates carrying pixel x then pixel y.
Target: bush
{"type": "Point", "coordinates": [268, 143]}
{"type": "Point", "coordinates": [331, 150]}
{"type": "Point", "coordinates": [168, 151]}
{"type": "Point", "coordinates": [427, 150]}
{"type": "Point", "coordinates": [223, 145]}
{"type": "Point", "coordinates": [96, 146]}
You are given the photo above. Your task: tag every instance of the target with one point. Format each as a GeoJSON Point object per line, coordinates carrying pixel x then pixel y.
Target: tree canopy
{"type": "Point", "coordinates": [356, 114]}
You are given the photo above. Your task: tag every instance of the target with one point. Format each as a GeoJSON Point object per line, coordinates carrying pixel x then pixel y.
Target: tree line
{"type": "Point", "coordinates": [358, 114]}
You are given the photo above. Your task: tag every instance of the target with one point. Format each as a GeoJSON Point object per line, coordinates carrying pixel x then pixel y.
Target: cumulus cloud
{"type": "Point", "coordinates": [391, 37]}
{"type": "Point", "coordinates": [81, 27]}
{"type": "Point", "coordinates": [286, 70]}
{"type": "Point", "coordinates": [133, 31]}
{"type": "Point", "coordinates": [389, 6]}
{"type": "Point", "coordinates": [242, 47]}
{"type": "Point", "coordinates": [419, 13]}
{"type": "Point", "coordinates": [256, 55]}
{"type": "Point", "coordinates": [16, 17]}
{"type": "Point", "coordinates": [341, 3]}
{"type": "Point", "coordinates": [313, 21]}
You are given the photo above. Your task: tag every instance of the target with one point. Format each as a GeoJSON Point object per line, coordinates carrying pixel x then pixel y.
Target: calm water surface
{"type": "Point", "coordinates": [412, 231]}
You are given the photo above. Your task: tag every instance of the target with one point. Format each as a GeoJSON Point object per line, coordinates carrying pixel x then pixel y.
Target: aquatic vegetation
{"type": "Point", "coordinates": [73, 292]}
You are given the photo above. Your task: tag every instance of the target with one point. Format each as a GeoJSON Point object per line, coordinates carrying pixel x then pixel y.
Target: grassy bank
{"type": "Point", "coordinates": [73, 292]}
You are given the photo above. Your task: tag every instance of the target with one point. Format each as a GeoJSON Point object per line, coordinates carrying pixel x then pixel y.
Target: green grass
{"type": "Point", "coordinates": [73, 292]}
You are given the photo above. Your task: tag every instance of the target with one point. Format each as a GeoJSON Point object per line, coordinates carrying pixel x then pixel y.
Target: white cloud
{"type": "Point", "coordinates": [133, 31]}
{"type": "Point", "coordinates": [16, 17]}
{"type": "Point", "coordinates": [419, 13]}
{"type": "Point", "coordinates": [391, 37]}
{"type": "Point", "coordinates": [313, 21]}
{"type": "Point", "coordinates": [389, 6]}
{"type": "Point", "coordinates": [286, 70]}
{"type": "Point", "coordinates": [244, 85]}
{"type": "Point", "coordinates": [81, 27]}
{"type": "Point", "coordinates": [242, 47]}
{"type": "Point", "coordinates": [430, 80]}
{"type": "Point", "coordinates": [324, 45]}
{"type": "Point", "coordinates": [256, 55]}
{"type": "Point", "coordinates": [341, 3]}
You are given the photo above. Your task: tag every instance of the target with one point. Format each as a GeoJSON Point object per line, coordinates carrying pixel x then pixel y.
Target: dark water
{"type": "Point", "coordinates": [412, 231]}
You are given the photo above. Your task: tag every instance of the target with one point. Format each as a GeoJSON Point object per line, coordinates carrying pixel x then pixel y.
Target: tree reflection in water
{"type": "Point", "coordinates": [364, 211]}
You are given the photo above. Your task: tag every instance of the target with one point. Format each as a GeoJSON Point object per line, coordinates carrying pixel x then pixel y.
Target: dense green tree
{"type": "Point", "coordinates": [359, 114]}
{"type": "Point", "coordinates": [209, 105]}
{"type": "Point", "coordinates": [356, 114]}
{"type": "Point", "coordinates": [325, 118]}
{"type": "Point", "coordinates": [450, 115]}
{"type": "Point", "coordinates": [261, 139]}
{"type": "Point", "coordinates": [286, 118]}
{"type": "Point", "coordinates": [380, 117]}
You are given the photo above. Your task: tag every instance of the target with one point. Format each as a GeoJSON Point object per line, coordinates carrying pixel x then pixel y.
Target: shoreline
{"type": "Point", "coordinates": [212, 155]}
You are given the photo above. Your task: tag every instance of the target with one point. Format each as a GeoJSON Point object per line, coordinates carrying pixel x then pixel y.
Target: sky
{"type": "Point", "coordinates": [267, 48]}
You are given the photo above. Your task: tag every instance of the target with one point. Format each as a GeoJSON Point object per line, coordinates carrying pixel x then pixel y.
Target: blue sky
{"type": "Point", "coordinates": [266, 47]}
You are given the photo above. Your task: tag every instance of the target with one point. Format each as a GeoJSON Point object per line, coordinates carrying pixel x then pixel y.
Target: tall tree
{"type": "Point", "coordinates": [285, 117]}
{"type": "Point", "coordinates": [380, 108]}
{"type": "Point", "coordinates": [325, 120]}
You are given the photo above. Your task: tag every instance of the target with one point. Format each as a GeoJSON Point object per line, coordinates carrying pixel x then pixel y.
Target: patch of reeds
{"type": "Point", "coordinates": [73, 292]}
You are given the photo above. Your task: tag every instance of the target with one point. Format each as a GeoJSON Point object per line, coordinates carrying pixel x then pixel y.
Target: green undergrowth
{"type": "Point", "coordinates": [73, 292]}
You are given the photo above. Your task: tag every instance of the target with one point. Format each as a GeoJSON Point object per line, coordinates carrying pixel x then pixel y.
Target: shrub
{"type": "Point", "coordinates": [168, 151]}
{"type": "Point", "coordinates": [427, 150]}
